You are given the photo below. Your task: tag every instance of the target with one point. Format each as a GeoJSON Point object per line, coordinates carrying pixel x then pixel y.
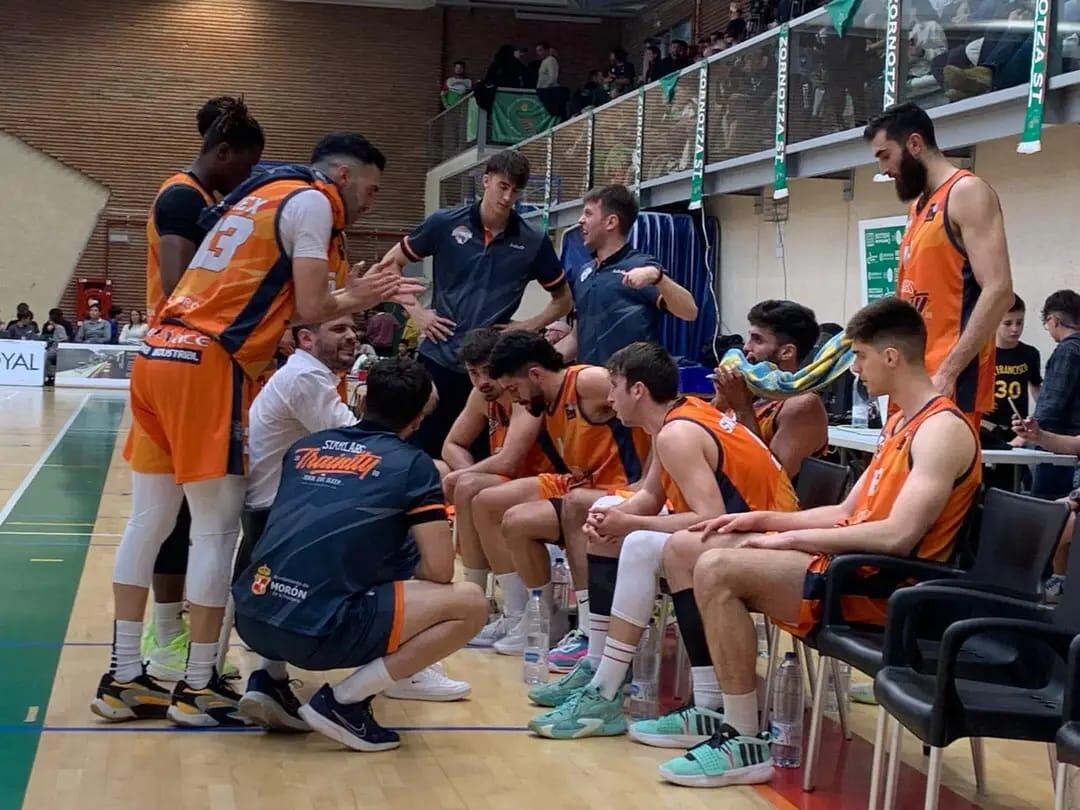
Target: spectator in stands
{"type": "Point", "coordinates": [650, 64]}
{"type": "Point", "coordinates": [548, 71]}
{"type": "Point", "coordinates": [23, 327]}
{"type": "Point", "coordinates": [594, 93]}
{"type": "Point", "coordinates": [621, 72]}
{"type": "Point", "coordinates": [677, 59]}
{"type": "Point", "coordinates": [53, 333]}
{"type": "Point", "coordinates": [56, 316]}
{"type": "Point", "coordinates": [531, 69]}
{"type": "Point", "coordinates": [403, 350]}
{"type": "Point", "coordinates": [704, 48]}
{"type": "Point", "coordinates": [736, 27]}
{"type": "Point", "coordinates": [506, 69]}
{"type": "Point", "coordinates": [457, 85]}
{"type": "Point", "coordinates": [94, 329]}
{"type": "Point", "coordinates": [366, 356]}
{"type": "Point", "coordinates": [135, 329]}
{"type": "Point", "coordinates": [114, 323]}
{"type": "Point", "coordinates": [1058, 408]}
{"type": "Point", "coordinates": [925, 43]}
{"type": "Point", "coordinates": [20, 311]}
{"type": "Point", "coordinates": [381, 326]}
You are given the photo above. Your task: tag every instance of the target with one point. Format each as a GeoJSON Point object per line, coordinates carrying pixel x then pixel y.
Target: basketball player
{"type": "Point", "coordinates": [513, 435]}
{"type": "Point", "coordinates": [705, 464]}
{"type": "Point", "coordinates": [910, 501]}
{"type": "Point", "coordinates": [783, 333]}
{"type": "Point", "coordinates": [595, 453]}
{"type": "Point", "coordinates": [268, 259]}
{"type": "Point", "coordinates": [954, 261]}
{"type": "Point", "coordinates": [172, 235]}
{"type": "Point", "coordinates": [358, 515]}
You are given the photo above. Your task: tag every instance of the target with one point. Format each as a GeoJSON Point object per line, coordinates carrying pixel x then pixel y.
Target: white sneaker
{"type": "Point", "coordinates": [431, 683]}
{"type": "Point", "coordinates": [513, 643]}
{"type": "Point", "coordinates": [493, 632]}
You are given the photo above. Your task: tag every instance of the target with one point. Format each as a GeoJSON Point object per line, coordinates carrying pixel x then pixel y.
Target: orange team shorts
{"type": "Point", "coordinates": [189, 401]}
{"type": "Point", "coordinates": [867, 602]}
{"type": "Point", "coordinates": [558, 485]}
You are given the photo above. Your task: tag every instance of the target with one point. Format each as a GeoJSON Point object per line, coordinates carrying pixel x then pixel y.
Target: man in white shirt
{"type": "Point", "coordinates": [549, 66]}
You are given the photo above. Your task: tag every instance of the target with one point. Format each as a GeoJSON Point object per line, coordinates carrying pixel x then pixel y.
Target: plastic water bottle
{"type": "Point", "coordinates": [643, 688]}
{"type": "Point", "coordinates": [560, 584]}
{"type": "Point", "coordinates": [762, 636]}
{"type": "Point", "coordinates": [860, 405]}
{"type": "Point", "coordinates": [832, 706]}
{"type": "Point", "coordinates": [537, 632]}
{"type": "Point", "coordinates": [787, 718]}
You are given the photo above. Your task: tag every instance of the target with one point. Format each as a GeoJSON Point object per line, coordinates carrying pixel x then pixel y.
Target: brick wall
{"type": "Point", "coordinates": [650, 23]}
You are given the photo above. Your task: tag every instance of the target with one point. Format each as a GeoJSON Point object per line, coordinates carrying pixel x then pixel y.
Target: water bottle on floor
{"type": "Point", "coordinates": [643, 687]}
{"type": "Point", "coordinates": [787, 718]}
{"type": "Point", "coordinates": [537, 632]}
{"type": "Point", "coordinates": [831, 705]}
{"type": "Point", "coordinates": [762, 636]}
{"type": "Point", "coordinates": [860, 404]}
{"type": "Point", "coordinates": [560, 584]}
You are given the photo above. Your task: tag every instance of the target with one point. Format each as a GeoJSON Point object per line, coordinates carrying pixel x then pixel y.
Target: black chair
{"type": "Point", "coordinates": [949, 701]}
{"type": "Point", "coordinates": [1068, 736]}
{"type": "Point", "coordinates": [1000, 565]}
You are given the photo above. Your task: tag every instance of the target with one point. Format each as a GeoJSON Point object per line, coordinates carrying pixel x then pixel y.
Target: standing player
{"type": "Point", "coordinates": [268, 258]}
{"type": "Point", "coordinates": [783, 333]}
{"type": "Point", "coordinates": [620, 295]}
{"type": "Point", "coordinates": [484, 257]}
{"type": "Point", "coordinates": [172, 235]}
{"type": "Point", "coordinates": [595, 453]}
{"type": "Point", "coordinates": [954, 261]}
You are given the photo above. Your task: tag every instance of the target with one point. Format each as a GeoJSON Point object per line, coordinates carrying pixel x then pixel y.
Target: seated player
{"type": "Point", "coordinates": [512, 435]}
{"type": "Point", "coordinates": [359, 513]}
{"type": "Point", "coordinates": [594, 452]}
{"type": "Point", "coordinates": [704, 464]}
{"type": "Point", "coordinates": [910, 502]}
{"type": "Point", "coordinates": [783, 333]}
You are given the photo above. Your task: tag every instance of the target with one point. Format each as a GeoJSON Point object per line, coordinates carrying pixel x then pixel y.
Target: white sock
{"type": "Point", "coordinates": [515, 594]}
{"type": "Point", "coordinates": [740, 712]}
{"type": "Point", "coordinates": [168, 621]}
{"type": "Point", "coordinates": [582, 598]}
{"type": "Point", "coordinates": [477, 576]}
{"type": "Point", "coordinates": [598, 627]}
{"type": "Point", "coordinates": [276, 669]}
{"type": "Point", "coordinates": [707, 694]}
{"type": "Point", "coordinates": [126, 659]}
{"type": "Point", "coordinates": [369, 680]}
{"type": "Point", "coordinates": [200, 663]}
{"type": "Point", "coordinates": [609, 677]}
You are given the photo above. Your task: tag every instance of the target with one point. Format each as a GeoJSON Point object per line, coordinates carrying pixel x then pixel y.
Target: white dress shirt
{"type": "Point", "coordinates": [300, 399]}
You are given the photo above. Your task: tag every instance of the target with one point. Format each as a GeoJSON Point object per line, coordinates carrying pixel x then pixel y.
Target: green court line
{"type": "Point", "coordinates": [36, 597]}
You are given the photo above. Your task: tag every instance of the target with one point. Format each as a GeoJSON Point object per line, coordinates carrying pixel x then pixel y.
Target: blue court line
{"type": "Point", "coordinates": [103, 729]}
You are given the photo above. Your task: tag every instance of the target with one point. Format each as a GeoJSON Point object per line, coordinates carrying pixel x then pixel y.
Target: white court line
{"type": "Point", "coordinates": [45, 559]}
{"type": "Point", "coordinates": [62, 534]}
{"type": "Point", "coordinates": [31, 714]}
{"type": "Point", "coordinates": [18, 493]}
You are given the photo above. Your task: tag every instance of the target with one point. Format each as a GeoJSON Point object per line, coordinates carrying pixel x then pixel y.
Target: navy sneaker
{"type": "Point", "coordinates": [272, 704]}
{"type": "Point", "coordinates": [351, 724]}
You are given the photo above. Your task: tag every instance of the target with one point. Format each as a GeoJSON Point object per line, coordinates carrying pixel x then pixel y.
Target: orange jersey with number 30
{"type": "Point", "coordinates": [155, 293]}
{"type": "Point", "coordinates": [238, 289]}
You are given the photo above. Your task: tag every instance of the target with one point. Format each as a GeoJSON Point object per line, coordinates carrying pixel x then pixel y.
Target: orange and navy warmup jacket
{"type": "Point", "coordinates": [175, 212]}
{"type": "Point", "coordinates": [749, 476]}
{"type": "Point", "coordinates": [935, 276]}
{"type": "Point", "coordinates": [540, 455]}
{"type": "Point", "coordinates": [882, 482]}
{"type": "Point", "coordinates": [609, 453]}
{"type": "Point", "coordinates": [238, 289]}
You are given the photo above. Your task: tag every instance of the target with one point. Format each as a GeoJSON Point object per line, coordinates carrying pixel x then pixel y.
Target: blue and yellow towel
{"type": "Point", "coordinates": [766, 380]}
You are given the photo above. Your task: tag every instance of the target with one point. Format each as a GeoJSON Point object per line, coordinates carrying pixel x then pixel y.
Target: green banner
{"type": "Point", "coordinates": [842, 12]}
{"type": "Point", "coordinates": [780, 189]}
{"type": "Point", "coordinates": [892, 54]}
{"type": "Point", "coordinates": [1031, 140]}
{"type": "Point", "coordinates": [668, 84]}
{"type": "Point", "coordinates": [516, 117]}
{"type": "Point", "coordinates": [879, 255]}
{"type": "Point", "coordinates": [547, 182]}
{"type": "Point", "coordinates": [639, 141]}
{"type": "Point", "coordinates": [589, 134]}
{"type": "Point", "coordinates": [697, 178]}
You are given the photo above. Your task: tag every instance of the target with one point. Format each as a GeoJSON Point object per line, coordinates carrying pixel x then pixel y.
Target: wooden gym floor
{"type": "Point", "coordinates": [64, 498]}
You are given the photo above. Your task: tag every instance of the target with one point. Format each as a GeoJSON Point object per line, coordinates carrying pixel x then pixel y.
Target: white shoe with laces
{"type": "Point", "coordinates": [513, 643]}
{"type": "Point", "coordinates": [431, 683]}
{"type": "Point", "coordinates": [493, 632]}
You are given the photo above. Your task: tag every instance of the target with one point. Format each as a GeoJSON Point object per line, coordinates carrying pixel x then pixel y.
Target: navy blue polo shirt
{"type": "Point", "coordinates": [479, 279]}
{"type": "Point", "coordinates": [610, 315]}
{"type": "Point", "coordinates": [339, 526]}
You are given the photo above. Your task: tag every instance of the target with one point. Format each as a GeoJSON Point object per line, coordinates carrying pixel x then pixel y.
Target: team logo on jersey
{"type": "Point", "coordinates": [586, 271]}
{"type": "Point", "coordinates": [571, 412]}
{"type": "Point", "coordinates": [461, 234]}
{"type": "Point", "coordinates": [727, 422]}
{"type": "Point", "coordinates": [931, 213]}
{"type": "Point", "coordinates": [261, 581]}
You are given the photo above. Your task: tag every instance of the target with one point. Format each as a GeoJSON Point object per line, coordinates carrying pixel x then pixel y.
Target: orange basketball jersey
{"type": "Point", "coordinates": [749, 476]}
{"type": "Point", "coordinates": [935, 277]}
{"type": "Point", "coordinates": [238, 289]}
{"type": "Point", "coordinates": [610, 453]}
{"type": "Point", "coordinates": [155, 294]}
{"type": "Point", "coordinates": [767, 412]}
{"type": "Point", "coordinates": [889, 470]}
{"type": "Point", "coordinates": [537, 460]}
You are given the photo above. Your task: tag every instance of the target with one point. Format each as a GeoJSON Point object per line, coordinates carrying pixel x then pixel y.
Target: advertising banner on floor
{"type": "Point", "coordinates": [86, 365]}
{"type": "Point", "coordinates": [879, 256]}
{"type": "Point", "coordinates": [22, 362]}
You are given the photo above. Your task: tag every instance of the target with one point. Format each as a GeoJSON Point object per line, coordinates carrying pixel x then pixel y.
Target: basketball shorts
{"type": "Point", "coordinates": [189, 401]}
{"type": "Point", "coordinates": [865, 603]}
{"type": "Point", "coordinates": [558, 485]}
{"type": "Point", "coordinates": [368, 627]}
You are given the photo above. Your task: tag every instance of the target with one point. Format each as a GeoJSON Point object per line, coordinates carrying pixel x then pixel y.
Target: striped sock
{"type": "Point", "coordinates": [598, 627]}
{"type": "Point", "coordinates": [609, 677]}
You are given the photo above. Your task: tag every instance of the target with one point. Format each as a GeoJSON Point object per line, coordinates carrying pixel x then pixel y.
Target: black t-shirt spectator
{"type": "Point", "coordinates": [736, 29]}
{"type": "Point", "coordinates": [176, 213]}
{"type": "Point", "coordinates": [623, 71]}
{"type": "Point", "coordinates": [1016, 369]}
{"type": "Point", "coordinates": [669, 65]}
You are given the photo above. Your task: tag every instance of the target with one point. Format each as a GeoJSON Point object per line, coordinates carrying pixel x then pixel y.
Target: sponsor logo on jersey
{"type": "Point", "coordinates": [261, 581]}
{"type": "Point", "coordinates": [461, 234]}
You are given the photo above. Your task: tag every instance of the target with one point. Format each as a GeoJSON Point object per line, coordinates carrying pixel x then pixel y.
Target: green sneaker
{"type": "Point", "coordinates": [555, 693]}
{"type": "Point", "coordinates": [586, 713]}
{"type": "Point", "coordinates": [726, 758]}
{"type": "Point", "coordinates": [863, 693]}
{"type": "Point", "coordinates": [167, 663]}
{"type": "Point", "coordinates": [682, 728]}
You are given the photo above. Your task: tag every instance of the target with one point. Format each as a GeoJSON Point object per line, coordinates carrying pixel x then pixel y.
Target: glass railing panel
{"type": "Point", "coordinates": [613, 142]}
{"type": "Point", "coordinates": [670, 116]}
{"type": "Point", "coordinates": [741, 113]}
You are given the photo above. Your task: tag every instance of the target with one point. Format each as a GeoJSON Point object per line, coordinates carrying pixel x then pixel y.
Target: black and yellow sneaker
{"type": "Point", "coordinates": [140, 699]}
{"type": "Point", "coordinates": [214, 705]}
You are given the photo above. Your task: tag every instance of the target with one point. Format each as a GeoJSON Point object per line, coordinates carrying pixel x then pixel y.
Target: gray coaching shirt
{"type": "Point", "coordinates": [479, 278]}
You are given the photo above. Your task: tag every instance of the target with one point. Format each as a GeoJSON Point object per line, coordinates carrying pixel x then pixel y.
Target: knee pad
{"type": "Point", "coordinates": [155, 503]}
{"type": "Point", "coordinates": [639, 564]}
{"type": "Point", "coordinates": [209, 573]}
{"type": "Point", "coordinates": [602, 574]}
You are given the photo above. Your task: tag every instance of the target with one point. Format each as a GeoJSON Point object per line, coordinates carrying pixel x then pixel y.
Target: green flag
{"type": "Point", "coordinates": [697, 178]}
{"type": "Point", "coordinates": [780, 189]}
{"type": "Point", "coordinates": [1031, 140]}
{"type": "Point", "coordinates": [842, 12]}
{"type": "Point", "coordinates": [547, 182]}
{"type": "Point", "coordinates": [668, 84]}
{"type": "Point", "coordinates": [892, 53]}
{"type": "Point", "coordinates": [517, 116]}
{"type": "Point", "coordinates": [639, 142]}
